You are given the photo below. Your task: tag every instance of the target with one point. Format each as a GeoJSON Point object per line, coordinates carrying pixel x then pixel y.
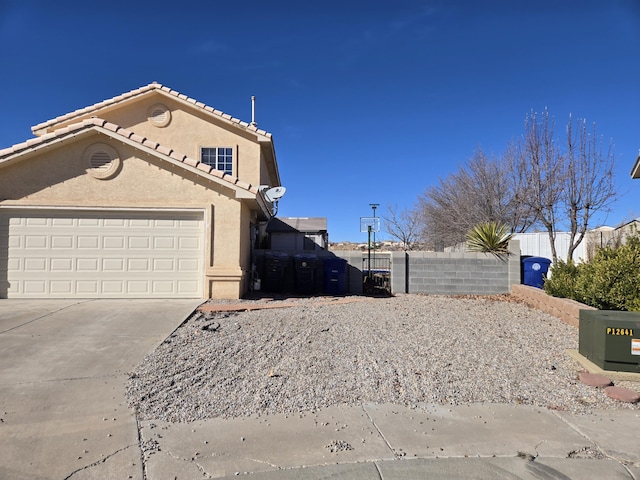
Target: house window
{"type": "Point", "coordinates": [220, 158]}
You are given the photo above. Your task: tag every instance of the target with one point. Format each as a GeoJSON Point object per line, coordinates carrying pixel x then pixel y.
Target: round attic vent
{"type": "Point", "coordinates": [102, 161]}
{"type": "Point", "coordinates": [159, 115]}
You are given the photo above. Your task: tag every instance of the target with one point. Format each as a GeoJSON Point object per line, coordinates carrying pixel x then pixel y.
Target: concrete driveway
{"type": "Point", "coordinates": [63, 368]}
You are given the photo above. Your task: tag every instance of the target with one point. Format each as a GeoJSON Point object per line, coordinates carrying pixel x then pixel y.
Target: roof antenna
{"type": "Point", "coordinates": [253, 111]}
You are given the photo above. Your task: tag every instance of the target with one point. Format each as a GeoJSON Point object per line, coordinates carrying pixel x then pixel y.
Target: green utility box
{"type": "Point", "coordinates": [611, 339]}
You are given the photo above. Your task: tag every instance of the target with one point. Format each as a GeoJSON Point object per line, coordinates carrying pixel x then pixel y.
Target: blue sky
{"type": "Point", "coordinates": [368, 101]}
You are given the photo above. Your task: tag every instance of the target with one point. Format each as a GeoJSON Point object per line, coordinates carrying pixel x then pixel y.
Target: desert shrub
{"type": "Point", "coordinates": [611, 281]}
{"type": "Point", "coordinates": [489, 237]}
{"type": "Point", "coordinates": [562, 279]}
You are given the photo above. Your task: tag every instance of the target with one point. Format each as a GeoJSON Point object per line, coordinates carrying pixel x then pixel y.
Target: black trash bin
{"type": "Point", "coordinates": [275, 264]}
{"type": "Point", "coordinates": [534, 271]}
{"type": "Point", "coordinates": [305, 272]}
{"type": "Point", "coordinates": [335, 274]}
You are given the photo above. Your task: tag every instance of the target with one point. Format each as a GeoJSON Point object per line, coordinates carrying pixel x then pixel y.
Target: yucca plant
{"type": "Point", "coordinates": [489, 237]}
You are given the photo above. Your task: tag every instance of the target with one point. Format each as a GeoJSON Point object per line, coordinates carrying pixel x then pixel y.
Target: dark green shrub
{"type": "Point", "coordinates": [611, 281]}
{"type": "Point", "coordinates": [562, 279]}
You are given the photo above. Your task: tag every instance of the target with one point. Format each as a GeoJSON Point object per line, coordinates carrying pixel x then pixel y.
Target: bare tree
{"type": "Point", "coordinates": [402, 225]}
{"type": "Point", "coordinates": [483, 190]}
{"type": "Point", "coordinates": [565, 187]}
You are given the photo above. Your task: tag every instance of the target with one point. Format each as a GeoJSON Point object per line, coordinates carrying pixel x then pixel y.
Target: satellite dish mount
{"type": "Point", "coordinates": [273, 195]}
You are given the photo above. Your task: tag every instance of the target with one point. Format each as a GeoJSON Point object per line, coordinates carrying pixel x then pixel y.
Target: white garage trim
{"type": "Point", "coordinates": [101, 253]}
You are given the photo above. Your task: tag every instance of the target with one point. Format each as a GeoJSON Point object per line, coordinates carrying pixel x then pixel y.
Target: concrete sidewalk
{"type": "Point", "coordinates": [391, 442]}
{"type": "Point", "coordinates": [63, 368]}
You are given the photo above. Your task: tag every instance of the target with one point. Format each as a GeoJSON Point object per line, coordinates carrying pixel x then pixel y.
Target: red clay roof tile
{"type": "Point", "coordinates": [204, 167]}
{"type": "Point", "coordinates": [142, 91]}
{"type": "Point", "coordinates": [164, 150]}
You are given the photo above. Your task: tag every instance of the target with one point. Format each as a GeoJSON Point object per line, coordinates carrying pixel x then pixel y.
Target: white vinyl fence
{"type": "Point", "coordinates": [538, 245]}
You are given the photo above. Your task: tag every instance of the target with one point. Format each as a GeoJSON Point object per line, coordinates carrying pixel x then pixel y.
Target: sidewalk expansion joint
{"type": "Point", "coordinates": [391, 449]}
{"type": "Point", "coordinates": [604, 453]}
{"type": "Point", "coordinates": [378, 470]}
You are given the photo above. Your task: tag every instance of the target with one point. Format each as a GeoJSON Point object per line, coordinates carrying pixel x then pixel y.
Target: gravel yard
{"type": "Point", "coordinates": [406, 349]}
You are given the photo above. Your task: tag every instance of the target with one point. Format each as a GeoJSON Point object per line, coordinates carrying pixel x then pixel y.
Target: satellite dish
{"type": "Point", "coordinates": [275, 193]}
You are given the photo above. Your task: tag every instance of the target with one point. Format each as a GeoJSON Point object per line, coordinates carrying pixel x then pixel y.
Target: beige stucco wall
{"type": "Point", "coordinates": [57, 176]}
{"type": "Point", "coordinates": [190, 129]}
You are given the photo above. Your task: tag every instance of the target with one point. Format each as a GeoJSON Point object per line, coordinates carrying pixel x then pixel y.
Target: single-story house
{"type": "Point", "coordinates": [298, 233]}
{"type": "Point", "coordinates": [147, 194]}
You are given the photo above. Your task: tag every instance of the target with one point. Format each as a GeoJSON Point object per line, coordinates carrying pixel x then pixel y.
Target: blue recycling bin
{"type": "Point", "coordinates": [534, 271]}
{"type": "Point", "coordinates": [335, 274]}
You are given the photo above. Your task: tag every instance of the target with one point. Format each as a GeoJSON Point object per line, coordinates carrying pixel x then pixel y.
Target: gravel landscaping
{"type": "Point", "coordinates": [407, 349]}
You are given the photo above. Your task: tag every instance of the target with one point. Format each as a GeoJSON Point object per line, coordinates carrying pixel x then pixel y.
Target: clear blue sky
{"type": "Point", "coordinates": [368, 101]}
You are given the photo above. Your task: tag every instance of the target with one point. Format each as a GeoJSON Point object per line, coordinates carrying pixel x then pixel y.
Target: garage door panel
{"type": "Point", "coordinates": [186, 286]}
{"type": "Point", "coordinates": [61, 242]}
{"type": "Point", "coordinates": [139, 243]}
{"type": "Point", "coordinates": [36, 241]}
{"type": "Point", "coordinates": [61, 287]}
{"type": "Point", "coordinates": [160, 287]}
{"type": "Point", "coordinates": [87, 287]}
{"type": "Point", "coordinates": [189, 243]}
{"type": "Point", "coordinates": [164, 243]}
{"type": "Point", "coordinates": [62, 264]}
{"type": "Point", "coordinates": [34, 287]}
{"type": "Point", "coordinates": [114, 243]}
{"type": "Point", "coordinates": [138, 265]}
{"type": "Point", "coordinates": [106, 254]}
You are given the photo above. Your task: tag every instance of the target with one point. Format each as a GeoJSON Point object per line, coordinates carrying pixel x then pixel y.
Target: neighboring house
{"type": "Point", "coordinates": [611, 237]}
{"type": "Point", "coordinates": [298, 233]}
{"type": "Point", "coordinates": [147, 194]}
{"type": "Point", "coordinates": [635, 171]}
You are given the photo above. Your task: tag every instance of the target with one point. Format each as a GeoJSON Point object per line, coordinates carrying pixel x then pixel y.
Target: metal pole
{"type": "Point", "coordinates": [374, 206]}
{"type": "Point", "coordinates": [369, 250]}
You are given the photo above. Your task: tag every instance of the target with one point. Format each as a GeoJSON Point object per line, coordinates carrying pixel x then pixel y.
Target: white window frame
{"type": "Point", "coordinates": [220, 158]}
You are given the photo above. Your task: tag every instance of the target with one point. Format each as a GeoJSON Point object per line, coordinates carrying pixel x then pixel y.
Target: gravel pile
{"type": "Point", "coordinates": [406, 349]}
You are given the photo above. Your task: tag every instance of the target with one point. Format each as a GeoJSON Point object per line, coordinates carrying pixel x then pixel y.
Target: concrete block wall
{"type": "Point", "coordinates": [447, 273]}
{"type": "Point", "coordinates": [455, 273]}
{"type": "Point", "coordinates": [565, 309]}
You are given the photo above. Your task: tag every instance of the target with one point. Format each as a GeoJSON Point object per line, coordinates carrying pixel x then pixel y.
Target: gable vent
{"type": "Point", "coordinates": [159, 115]}
{"type": "Point", "coordinates": [101, 161]}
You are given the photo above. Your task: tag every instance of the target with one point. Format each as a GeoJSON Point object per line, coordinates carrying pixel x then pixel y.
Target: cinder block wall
{"type": "Point", "coordinates": [455, 273]}
{"type": "Point", "coordinates": [445, 273]}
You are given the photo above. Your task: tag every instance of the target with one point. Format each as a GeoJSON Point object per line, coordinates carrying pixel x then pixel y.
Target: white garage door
{"type": "Point", "coordinates": [101, 254]}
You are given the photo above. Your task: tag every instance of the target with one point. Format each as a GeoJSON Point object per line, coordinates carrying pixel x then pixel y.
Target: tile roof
{"type": "Point", "coordinates": [142, 91]}
{"type": "Point", "coordinates": [113, 130]}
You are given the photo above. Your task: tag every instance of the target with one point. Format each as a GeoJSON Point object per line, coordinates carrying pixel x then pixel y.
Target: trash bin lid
{"type": "Point", "coordinates": [538, 260]}
{"type": "Point", "coordinates": [276, 254]}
